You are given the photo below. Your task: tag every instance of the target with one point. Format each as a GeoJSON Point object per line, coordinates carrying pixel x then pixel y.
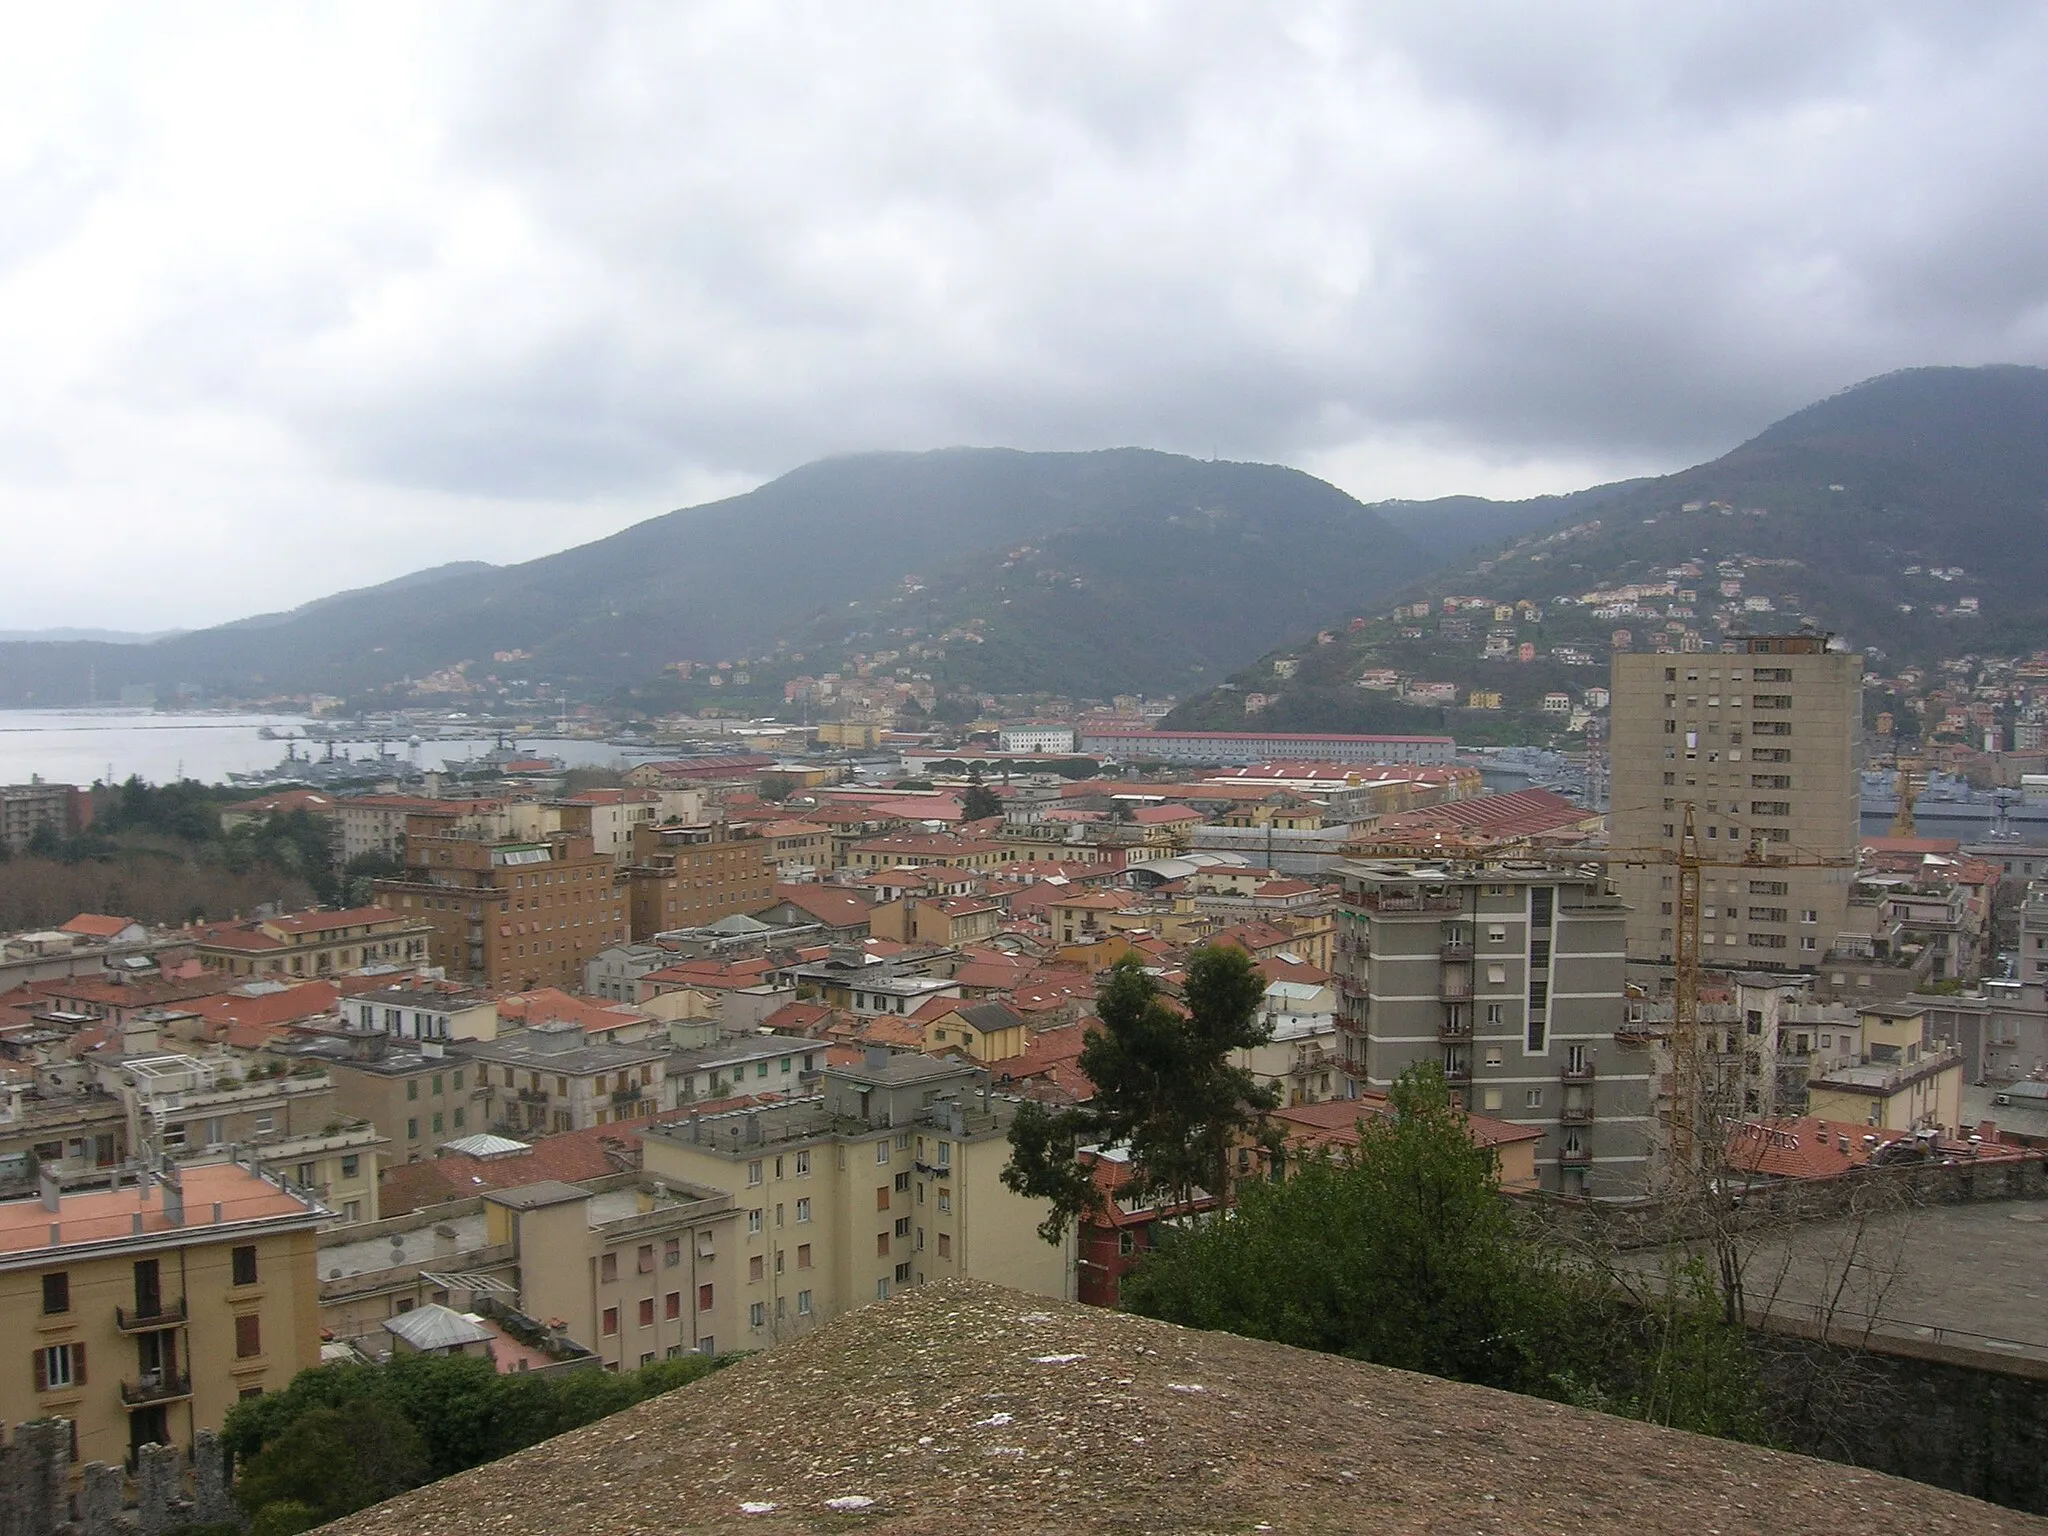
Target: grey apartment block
{"type": "Point", "coordinates": [1510, 978]}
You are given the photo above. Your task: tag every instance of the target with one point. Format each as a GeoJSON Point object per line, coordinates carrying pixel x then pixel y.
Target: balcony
{"type": "Point", "coordinates": [533, 1096]}
{"type": "Point", "coordinates": [1575, 1157]}
{"type": "Point", "coordinates": [1576, 1114]}
{"type": "Point", "coordinates": [1454, 1027]}
{"type": "Point", "coordinates": [1455, 949]}
{"type": "Point", "coordinates": [1458, 1073]}
{"type": "Point", "coordinates": [168, 1314]}
{"type": "Point", "coordinates": [626, 1095]}
{"type": "Point", "coordinates": [1454, 989]}
{"type": "Point", "coordinates": [156, 1388]}
{"type": "Point", "coordinates": [1404, 901]}
{"type": "Point", "coordinates": [1582, 1073]}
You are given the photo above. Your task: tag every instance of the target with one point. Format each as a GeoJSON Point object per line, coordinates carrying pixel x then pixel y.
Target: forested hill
{"type": "Point", "coordinates": [1908, 514]}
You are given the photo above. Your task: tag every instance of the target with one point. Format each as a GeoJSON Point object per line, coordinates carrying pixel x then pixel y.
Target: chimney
{"type": "Point", "coordinates": [46, 1183]}
{"type": "Point", "coordinates": [174, 1195]}
{"type": "Point", "coordinates": [875, 1058]}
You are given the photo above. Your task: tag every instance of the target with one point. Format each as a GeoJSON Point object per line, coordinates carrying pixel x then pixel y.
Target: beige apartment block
{"type": "Point", "coordinates": [634, 1268]}
{"type": "Point", "coordinates": [890, 1177]}
{"type": "Point", "coordinates": [144, 1310]}
{"type": "Point", "coordinates": [1762, 745]}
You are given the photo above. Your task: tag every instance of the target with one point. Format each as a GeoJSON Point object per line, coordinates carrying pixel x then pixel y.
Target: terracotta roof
{"type": "Point", "coordinates": [1334, 1123]}
{"type": "Point", "coordinates": [547, 1005]}
{"type": "Point", "coordinates": [283, 803]}
{"type": "Point", "coordinates": [97, 925]}
{"type": "Point", "coordinates": [836, 906]}
{"type": "Point", "coordinates": [1808, 1147]}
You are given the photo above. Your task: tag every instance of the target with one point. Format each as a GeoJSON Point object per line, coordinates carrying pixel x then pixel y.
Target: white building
{"type": "Point", "coordinates": [1037, 738]}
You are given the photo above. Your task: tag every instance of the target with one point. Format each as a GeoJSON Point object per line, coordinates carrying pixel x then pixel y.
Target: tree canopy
{"type": "Point", "coordinates": [1166, 1088]}
{"type": "Point", "coordinates": [1405, 1253]}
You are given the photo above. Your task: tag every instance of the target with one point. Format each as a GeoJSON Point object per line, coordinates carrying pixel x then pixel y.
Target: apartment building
{"type": "Point", "coordinates": [689, 875]}
{"type": "Point", "coordinates": [314, 943]}
{"type": "Point", "coordinates": [147, 1308]}
{"type": "Point", "coordinates": [414, 1095]}
{"type": "Point", "coordinates": [1510, 977]}
{"type": "Point", "coordinates": [511, 915]}
{"type": "Point", "coordinates": [633, 1268]}
{"type": "Point", "coordinates": [1761, 745]}
{"type": "Point", "coordinates": [61, 810]}
{"type": "Point", "coordinates": [550, 1078]}
{"type": "Point", "coordinates": [426, 1010]}
{"type": "Point", "coordinates": [1906, 1077]}
{"type": "Point", "coordinates": [888, 1177]}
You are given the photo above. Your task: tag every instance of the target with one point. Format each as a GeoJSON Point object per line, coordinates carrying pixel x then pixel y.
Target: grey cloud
{"type": "Point", "coordinates": [620, 249]}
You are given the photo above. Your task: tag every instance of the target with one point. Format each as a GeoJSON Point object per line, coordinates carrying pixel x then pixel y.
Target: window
{"type": "Point", "coordinates": [704, 1298]}
{"type": "Point", "coordinates": [412, 1130]}
{"type": "Point", "coordinates": [1497, 975]}
{"type": "Point", "coordinates": [672, 1253]}
{"type": "Point", "coordinates": [609, 1327]}
{"type": "Point", "coordinates": [412, 1088]}
{"type": "Point", "coordinates": [753, 1173]}
{"type": "Point", "coordinates": [248, 1336]}
{"type": "Point", "coordinates": [458, 1082]}
{"type": "Point", "coordinates": [437, 1125]}
{"type": "Point", "coordinates": [753, 1221]}
{"type": "Point", "coordinates": [945, 1202]}
{"type": "Point", "coordinates": [945, 1245]}
{"type": "Point", "coordinates": [1809, 915]}
{"type": "Point", "coordinates": [1536, 1036]}
{"type": "Point", "coordinates": [903, 1226]}
{"type": "Point", "coordinates": [903, 1274]}
{"type": "Point", "coordinates": [647, 1312]}
{"type": "Point", "coordinates": [882, 1150]}
{"type": "Point", "coordinates": [351, 1166]}
{"type": "Point", "coordinates": [645, 1258]}
{"type": "Point", "coordinates": [881, 1197]}
{"type": "Point", "coordinates": [243, 1261]}
{"type": "Point", "coordinates": [803, 1164]}
{"type": "Point", "coordinates": [757, 1315]}
{"type": "Point", "coordinates": [1533, 1098]}
{"type": "Point", "coordinates": [803, 1209]}
{"type": "Point", "coordinates": [608, 1267]}
{"type": "Point", "coordinates": [708, 1344]}
{"type": "Point", "coordinates": [672, 1305]}
{"type": "Point", "coordinates": [61, 1365]}
{"type": "Point", "coordinates": [756, 1267]}
{"type": "Point", "coordinates": [56, 1293]}
{"type": "Point", "coordinates": [803, 1303]}
{"type": "Point", "coordinates": [881, 1245]}
{"type": "Point", "coordinates": [902, 1181]}
{"type": "Point", "coordinates": [803, 1255]}
{"type": "Point", "coordinates": [945, 1157]}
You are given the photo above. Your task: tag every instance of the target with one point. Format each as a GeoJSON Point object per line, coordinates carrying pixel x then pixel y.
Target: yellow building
{"type": "Point", "coordinates": [148, 1308]}
{"type": "Point", "coordinates": [892, 1176]}
{"type": "Point", "coordinates": [1906, 1080]}
{"type": "Point", "coordinates": [985, 1031]}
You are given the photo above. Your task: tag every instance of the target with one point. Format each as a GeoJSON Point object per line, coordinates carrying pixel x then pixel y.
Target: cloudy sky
{"type": "Point", "coordinates": [297, 297]}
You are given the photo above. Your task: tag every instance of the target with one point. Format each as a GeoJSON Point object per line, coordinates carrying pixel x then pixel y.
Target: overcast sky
{"type": "Point", "coordinates": [299, 297]}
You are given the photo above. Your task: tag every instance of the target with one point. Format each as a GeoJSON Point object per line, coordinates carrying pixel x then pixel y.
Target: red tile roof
{"type": "Point", "coordinates": [96, 925]}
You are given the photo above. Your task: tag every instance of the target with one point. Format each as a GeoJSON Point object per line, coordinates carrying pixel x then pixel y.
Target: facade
{"type": "Point", "coordinates": [1233, 747]}
{"type": "Point", "coordinates": [1036, 738]}
{"type": "Point", "coordinates": [514, 915]}
{"type": "Point", "coordinates": [308, 944]}
{"type": "Point", "coordinates": [688, 876]}
{"type": "Point", "coordinates": [426, 1010]}
{"type": "Point", "coordinates": [1510, 977]}
{"type": "Point", "coordinates": [1762, 745]}
{"type": "Point", "coordinates": [147, 1308]}
{"type": "Point", "coordinates": [375, 824]}
{"type": "Point", "coordinates": [550, 1079]}
{"type": "Point", "coordinates": [413, 1094]}
{"type": "Point", "coordinates": [1906, 1077]}
{"type": "Point", "coordinates": [890, 1177]}
{"type": "Point", "coordinates": [61, 810]}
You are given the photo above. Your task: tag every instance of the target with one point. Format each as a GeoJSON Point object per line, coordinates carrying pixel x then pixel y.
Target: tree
{"type": "Point", "coordinates": [1405, 1253]}
{"type": "Point", "coordinates": [336, 1461]}
{"type": "Point", "coordinates": [979, 803]}
{"type": "Point", "coordinates": [1166, 1089]}
{"type": "Point", "coordinates": [777, 787]}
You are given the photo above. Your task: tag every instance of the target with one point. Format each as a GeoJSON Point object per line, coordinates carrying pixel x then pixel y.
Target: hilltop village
{"type": "Point", "coordinates": [696, 1061]}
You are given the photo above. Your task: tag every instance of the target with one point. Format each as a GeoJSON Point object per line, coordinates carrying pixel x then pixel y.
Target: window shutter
{"type": "Point", "coordinates": [78, 1365]}
{"type": "Point", "coordinates": [42, 1370]}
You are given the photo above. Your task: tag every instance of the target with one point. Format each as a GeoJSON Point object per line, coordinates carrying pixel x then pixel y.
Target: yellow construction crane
{"type": "Point", "coordinates": [1687, 862]}
{"type": "Point", "coordinates": [1910, 780]}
